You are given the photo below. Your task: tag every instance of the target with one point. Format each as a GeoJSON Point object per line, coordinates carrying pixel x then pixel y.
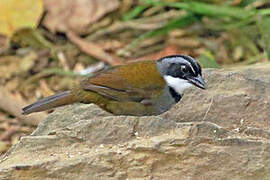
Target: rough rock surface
{"type": "Point", "coordinates": [221, 133]}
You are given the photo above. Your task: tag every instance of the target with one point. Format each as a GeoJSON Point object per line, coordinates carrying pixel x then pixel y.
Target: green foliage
{"type": "Point", "coordinates": [180, 22]}
{"type": "Point", "coordinates": [264, 26]}
{"type": "Point", "coordinates": [247, 28]}
{"type": "Point", "coordinates": [135, 12]}
{"type": "Point", "coordinates": [61, 72]}
{"type": "Point", "coordinates": [206, 9]}
{"type": "Point", "coordinates": [208, 60]}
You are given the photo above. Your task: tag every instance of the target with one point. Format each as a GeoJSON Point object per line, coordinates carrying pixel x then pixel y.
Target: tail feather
{"type": "Point", "coordinates": [50, 102]}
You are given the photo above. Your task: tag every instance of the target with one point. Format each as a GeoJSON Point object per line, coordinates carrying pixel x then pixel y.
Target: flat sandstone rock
{"type": "Point", "coordinates": [221, 133]}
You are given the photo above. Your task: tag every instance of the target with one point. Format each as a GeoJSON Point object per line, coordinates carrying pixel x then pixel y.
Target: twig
{"type": "Point", "coordinates": [144, 23]}
{"type": "Point", "coordinates": [93, 50]}
{"type": "Point", "coordinates": [92, 69]}
{"type": "Point", "coordinates": [62, 58]}
{"type": "Point", "coordinates": [13, 106]}
{"type": "Point", "coordinates": [46, 90]}
{"type": "Point", "coordinates": [45, 73]}
{"type": "Point", "coordinates": [8, 133]}
{"type": "Point", "coordinates": [209, 107]}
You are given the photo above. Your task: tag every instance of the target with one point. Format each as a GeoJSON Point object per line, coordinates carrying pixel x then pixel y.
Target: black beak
{"type": "Point", "coordinates": [197, 81]}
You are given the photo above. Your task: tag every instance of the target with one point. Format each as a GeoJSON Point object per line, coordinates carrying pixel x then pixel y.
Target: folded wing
{"type": "Point", "coordinates": [133, 82]}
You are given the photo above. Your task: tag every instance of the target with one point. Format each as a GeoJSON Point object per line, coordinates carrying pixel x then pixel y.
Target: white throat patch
{"type": "Point", "coordinates": [179, 85]}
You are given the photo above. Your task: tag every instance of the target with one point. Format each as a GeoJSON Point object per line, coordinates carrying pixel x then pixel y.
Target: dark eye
{"type": "Point", "coordinates": [184, 69]}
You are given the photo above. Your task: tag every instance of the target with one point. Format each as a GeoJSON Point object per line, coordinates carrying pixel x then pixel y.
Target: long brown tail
{"type": "Point", "coordinates": [60, 99]}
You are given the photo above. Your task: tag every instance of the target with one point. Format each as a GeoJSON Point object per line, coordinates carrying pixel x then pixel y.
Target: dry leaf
{"type": "Point", "coordinates": [4, 43]}
{"type": "Point", "coordinates": [12, 65]}
{"type": "Point", "coordinates": [94, 50]}
{"type": "Point", "coordinates": [8, 66]}
{"type": "Point", "coordinates": [3, 146]}
{"type": "Point", "coordinates": [16, 14]}
{"type": "Point", "coordinates": [169, 50]}
{"type": "Point", "coordinates": [75, 15]}
{"type": "Point", "coordinates": [12, 104]}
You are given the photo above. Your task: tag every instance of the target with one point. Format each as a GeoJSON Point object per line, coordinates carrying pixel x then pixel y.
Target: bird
{"type": "Point", "coordinates": [141, 88]}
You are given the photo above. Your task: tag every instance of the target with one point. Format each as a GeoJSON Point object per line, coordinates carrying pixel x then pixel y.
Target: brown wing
{"type": "Point", "coordinates": [135, 81]}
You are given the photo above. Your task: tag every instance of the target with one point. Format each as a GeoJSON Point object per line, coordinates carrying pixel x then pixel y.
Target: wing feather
{"type": "Point", "coordinates": [134, 81]}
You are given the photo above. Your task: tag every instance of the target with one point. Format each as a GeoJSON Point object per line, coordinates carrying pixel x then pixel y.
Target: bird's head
{"type": "Point", "coordinates": [181, 72]}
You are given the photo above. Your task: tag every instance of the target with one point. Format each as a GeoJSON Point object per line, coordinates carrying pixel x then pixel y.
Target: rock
{"type": "Point", "coordinates": [221, 133]}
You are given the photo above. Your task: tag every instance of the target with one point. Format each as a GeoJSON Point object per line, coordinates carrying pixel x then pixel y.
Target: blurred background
{"type": "Point", "coordinates": [46, 46]}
